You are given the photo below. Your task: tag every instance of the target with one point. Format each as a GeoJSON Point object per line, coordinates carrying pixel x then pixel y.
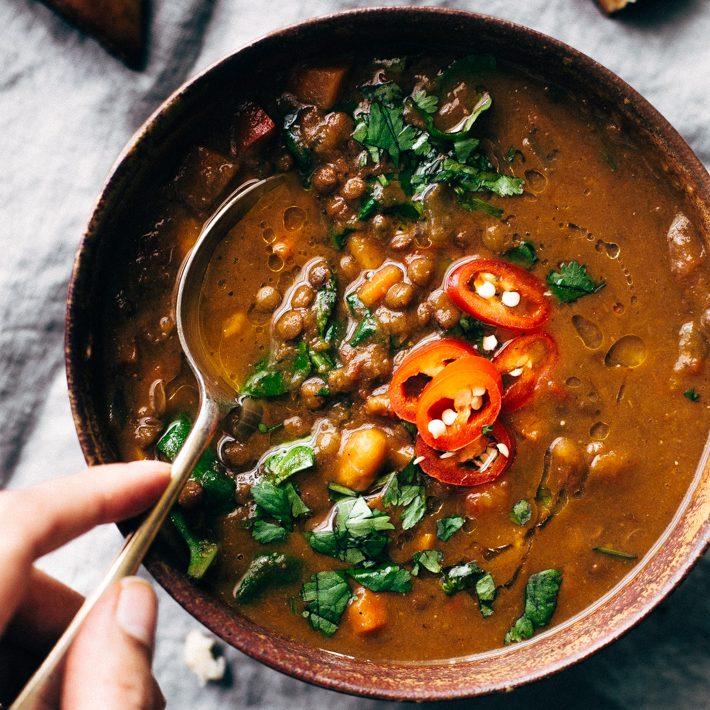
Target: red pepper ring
{"type": "Point", "coordinates": [524, 363]}
{"type": "Point", "coordinates": [418, 369]}
{"type": "Point", "coordinates": [464, 397]}
{"type": "Point", "coordinates": [482, 461]}
{"type": "Point", "coordinates": [532, 310]}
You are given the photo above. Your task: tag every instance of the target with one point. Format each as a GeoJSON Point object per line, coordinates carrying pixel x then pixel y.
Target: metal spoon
{"type": "Point", "coordinates": [217, 397]}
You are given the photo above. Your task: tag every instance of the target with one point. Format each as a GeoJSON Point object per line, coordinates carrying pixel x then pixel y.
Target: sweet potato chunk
{"type": "Point", "coordinates": [253, 126]}
{"type": "Point", "coordinates": [203, 178]}
{"type": "Point", "coordinates": [367, 613]}
{"type": "Point", "coordinates": [319, 86]}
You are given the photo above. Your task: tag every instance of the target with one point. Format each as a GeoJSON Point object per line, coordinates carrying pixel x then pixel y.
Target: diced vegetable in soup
{"type": "Point", "coordinates": [467, 337]}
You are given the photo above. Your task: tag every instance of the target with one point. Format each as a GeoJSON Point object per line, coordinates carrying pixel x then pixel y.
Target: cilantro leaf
{"type": "Point", "coordinates": [691, 394]}
{"type": "Point", "coordinates": [425, 102]}
{"type": "Point", "coordinates": [446, 527]}
{"type": "Point", "coordinates": [572, 282]}
{"type": "Point", "coordinates": [265, 532]}
{"type": "Point", "coordinates": [486, 594]}
{"type": "Point", "coordinates": [280, 502]}
{"type": "Point", "coordinates": [358, 533]}
{"type": "Point", "coordinates": [386, 577]}
{"type": "Point", "coordinates": [428, 559]}
{"type": "Point", "coordinates": [326, 595]}
{"type": "Point", "coordinates": [406, 490]}
{"type": "Point", "coordinates": [460, 577]}
{"type": "Point", "coordinates": [521, 512]}
{"type": "Point", "coordinates": [523, 254]}
{"type": "Point", "coordinates": [540, 602]}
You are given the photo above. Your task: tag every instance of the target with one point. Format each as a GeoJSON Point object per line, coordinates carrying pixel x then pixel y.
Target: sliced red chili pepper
{"type": "Point", "coordinates": [418, 369]}
{"type": "Point", "coordinates": [482, 461]}
{"type": "Point", "coordinates": [464, 397]}
{"type": "Point", "coordinates": [523, 363]}
{"type": "Point", "coordinates": [466, 282]}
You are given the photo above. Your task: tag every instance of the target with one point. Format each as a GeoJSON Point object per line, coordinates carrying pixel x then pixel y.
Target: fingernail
{"type": "Point", "coordinates": [136, 610]}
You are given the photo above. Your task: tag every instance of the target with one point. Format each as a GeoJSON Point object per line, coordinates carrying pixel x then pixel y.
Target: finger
{"type": "Point", "coordinates": [47, 516]}
{"type": "Point", "coordinates": [44, 612]}
{"type": "Point", "coordinates": [37, 520]}
{"type": "Point", "coordinates": [108, 665]}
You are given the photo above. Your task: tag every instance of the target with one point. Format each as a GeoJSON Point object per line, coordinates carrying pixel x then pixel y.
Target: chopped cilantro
{"type": "Point", "coordinates": [460, 577]}
{"type": "Point", "coordinates": [424, 102]}
{"type": "Point", "coordinates": [486, 594]}
{"type": "Point", "coordinates": [386, 577]}
{"type": "Point", "coordinates": [691, 394]}
{"type": "Point", "coordinates": [326, 595]}
{"type": "Point", "coordinates": [540, 602]}
{"type": "Point", "coordinates": [358, 533]}
{"type": "Point", "coordinates": [446, 527]}
{"type": "Point", "coordinates": [523, 254]}
{"type": "Point", "coordinates": [340, 238]}
{"type": "Point", "coordinates": [487, 429]}
{"type": "Point", "coordinates": [521, 512]}
{"type": "Point", "coordinates": [279, 502]}
{"type": "Point", "coordinates": [509, 156]}
{"type": "Point", "coordinates": [572, 282]}
{"type": "Point", "coordinates": [265, 532]}
{"type": "Point", "coordinates": [427, 559]}
{"type": "Point", "coordinates": [406, 490]}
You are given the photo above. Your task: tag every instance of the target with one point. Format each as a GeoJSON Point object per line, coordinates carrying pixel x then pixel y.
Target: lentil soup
{"type": "Point", "coordinates": [467, 336]}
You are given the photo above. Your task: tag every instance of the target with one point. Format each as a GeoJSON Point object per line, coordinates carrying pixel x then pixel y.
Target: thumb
{"type": "Point", "coordinates": [108, 665]}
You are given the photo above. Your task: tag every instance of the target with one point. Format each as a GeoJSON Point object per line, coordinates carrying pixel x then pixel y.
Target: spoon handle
{"type": "Point", "coordinates": [39, 690]}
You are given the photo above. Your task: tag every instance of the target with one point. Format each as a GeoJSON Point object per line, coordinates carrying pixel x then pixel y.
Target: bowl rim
{"type": "Point", "coordinates": [649, 582]}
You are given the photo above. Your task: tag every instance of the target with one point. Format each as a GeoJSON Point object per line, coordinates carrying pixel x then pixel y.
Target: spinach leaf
{"type": "Point", "coordinates": [460, 577]}
{"type": "Point", "coordinates": [326, 595]}
{"type": "Point", "coordinates": [202, 551]}
{"type": "Point", "coordinates": [340, 238]}
{"type": "Point", "coordinates": [358, 534]}
{"type": "Point", "coordinates": [365, 329]}
{"type": "Point", "coordinates": [523, 254]}
{"type": "Point", "coordinates": [289, 459]}
{"type": "Point", "coordinates": [322, 361]}
{"type": "Point", "coordinates": [294, 143]}
{"type": "Point", "coordinates": [427, 559]}
{"type": "Point", "coordinates": [540, 601]}
{"type": "Point", "coordinates": [264, 381]}
{"type": "Point", "coordinates": [326, 299]}
{"type": "Point", "coordinates": [486, 594]}
{"type": "Point", "coordinates": [446, 527]}
{"type": "Point", "coordinates": [266, 533]}
{"type": "Point", "coordinates": [572, 282]}
{"type": "Point", "coordinates": [264, 571]}
{"type": "Point", "coordinates": [386, 577]}
{"type": "Point", "coordinates": [337, 491]}
{"type": "Point", "coordinates": [521, 512]}
{"type": "Point", "coordinates": [301, 366]}
{"type": "Point", "coordinates": [611, 552]}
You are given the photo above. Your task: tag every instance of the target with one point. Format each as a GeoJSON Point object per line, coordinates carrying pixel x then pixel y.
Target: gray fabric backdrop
{"type": "Point", "coordinates": [67, 108]}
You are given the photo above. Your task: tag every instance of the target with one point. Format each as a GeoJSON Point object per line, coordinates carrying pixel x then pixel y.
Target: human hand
{"type": "Point", "coordinates": [108, 665]}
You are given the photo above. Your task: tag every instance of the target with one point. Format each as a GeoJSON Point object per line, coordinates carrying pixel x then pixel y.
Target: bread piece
{"type": "Point", "coordinates": [117, 24]}
{"type": "Point", "coordinates": [611, 6]}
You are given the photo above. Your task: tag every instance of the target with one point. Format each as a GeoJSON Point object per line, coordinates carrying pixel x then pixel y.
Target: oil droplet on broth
{"type": "Point", "coordinates": [611, 249]}
{"type": "Point", "coordinates": [599, 431]}
{"type": "Point", "coordinates": [573, 382]}
{"type": "Point", "coordinates": [589, 332]}
{"type": "Point", "coordinates": [276, 263]}
{"type": "Point", "coordinates": [294, 218]}
{"type": "Point", "coordinates": [535, 181]}
{"type": "Point", "coordinates": [268, 235]}
{"type": "Point", "coordinates": [627, 351]}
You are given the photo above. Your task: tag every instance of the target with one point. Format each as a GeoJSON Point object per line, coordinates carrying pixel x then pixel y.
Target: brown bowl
{"type": "Point", "coordinates": [394, 29]}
